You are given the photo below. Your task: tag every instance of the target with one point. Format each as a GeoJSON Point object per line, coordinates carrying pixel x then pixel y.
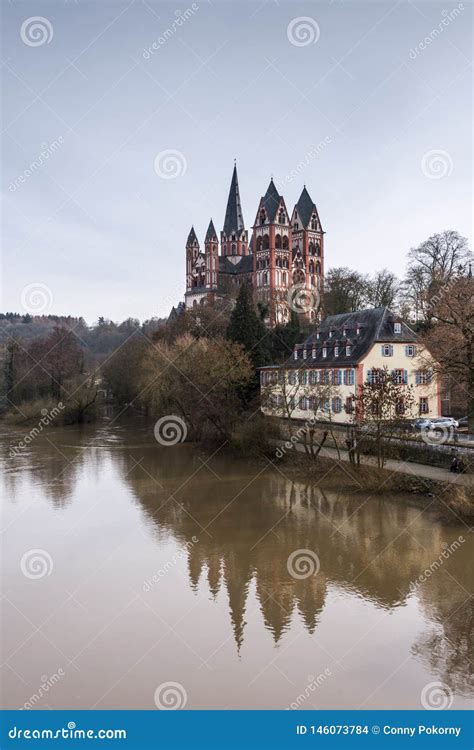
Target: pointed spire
{"type": "Point", "coordinates": [234, 220]}
{"type": "Point", "coordinates": [192, 239]}
{"type": "Point", "coordinates": [305, 207]}
{"type": "Point", "coordinates": [271, 200]}
{"type": "Point", "coordinates": [211, 234]}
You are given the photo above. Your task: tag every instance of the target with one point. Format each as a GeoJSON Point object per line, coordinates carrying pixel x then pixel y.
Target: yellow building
{"type": "Point", "coordinates": [326, 372]}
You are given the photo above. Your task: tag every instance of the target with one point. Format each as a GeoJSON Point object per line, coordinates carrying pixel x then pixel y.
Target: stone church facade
{"type": "Point", "coordinates": [283, 260]}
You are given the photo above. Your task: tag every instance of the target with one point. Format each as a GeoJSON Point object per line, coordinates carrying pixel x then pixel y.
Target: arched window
{"type": "Point", "coordinates": [259, 243]}
{"type": "Point", "coordinates": [278, 241]}
{"type": "Point", "coordinates": [281, 217]}
{"type": "Point", "coordinates": [234, 249]}
{"type": "Point", "coordinates": [266, 242]}
{"type": "Point", "coordinates": [285, 242]}
{"type": "Point", "coordinates": [262, 216]}
{"type": "Point", "coordinates": [318, 249]}
{"type": "Point", "coordinates": [318, 268]}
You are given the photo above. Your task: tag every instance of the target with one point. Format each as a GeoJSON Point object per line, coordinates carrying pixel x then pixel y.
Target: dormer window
{"type": "Point", "coordinates": [348, 351]}
{"type": "Point", "coordinates": [295, 354]}
{"type": "Point", "coordinates": [325, 351]}
{"type": "Point", "coordinates": [397, 327]}
{"type": "Point", "coordinates": [344, 332]}
{"type": "Point", "coordinates": [313, 354]}
{"type": "Point", "coordinates": [336, 351]}
{"type": "Point", "coordinates": [304, 353]}
{"type": "Point", "coordinates": [317, 334]}
{"type": "Point", "coordinates": [330, 334]}
{"type": "Point", "coordinates": [358, 330]}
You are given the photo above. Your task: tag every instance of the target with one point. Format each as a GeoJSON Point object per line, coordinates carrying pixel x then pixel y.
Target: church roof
{"type": "Point", "coordinates": [244, 264]}
{"type": "Point", "coordinates": [211, 235]}
{"type": "Point", "coordinates": [191, 238]}
{"type": "Point", "coordinates": [271, 201]}
{"type": "Point", "coordinates": [234, 220]}
{"type": "Point", "coordinates": [305, 207]}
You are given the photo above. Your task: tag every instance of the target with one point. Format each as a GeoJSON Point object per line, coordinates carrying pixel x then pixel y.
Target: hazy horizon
{"type": "Point", "coordinates": [368, 104]}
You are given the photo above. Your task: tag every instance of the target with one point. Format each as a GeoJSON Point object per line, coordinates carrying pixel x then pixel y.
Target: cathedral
{"type": "Point", "coordinates": [283, 261]}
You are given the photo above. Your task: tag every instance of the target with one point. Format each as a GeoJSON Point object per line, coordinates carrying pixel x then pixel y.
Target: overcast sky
{"type": "Point", "coordinates": [369, 104]}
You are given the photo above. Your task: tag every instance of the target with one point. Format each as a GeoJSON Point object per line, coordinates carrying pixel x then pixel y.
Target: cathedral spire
{"type": "Point", "coordinates": [211, 234]}
{"type": "Point", "coordinates": [234, 220]}
{"type": "Point", "coordinates": [192, 239]}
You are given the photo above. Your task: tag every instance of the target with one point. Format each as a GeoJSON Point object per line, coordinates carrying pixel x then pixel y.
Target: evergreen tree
{"type": "Point", "coordinates": [246, 328]}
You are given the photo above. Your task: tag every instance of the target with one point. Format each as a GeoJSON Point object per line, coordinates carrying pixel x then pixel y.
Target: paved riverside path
{"type": "Point", "coordinates": [404, 467]}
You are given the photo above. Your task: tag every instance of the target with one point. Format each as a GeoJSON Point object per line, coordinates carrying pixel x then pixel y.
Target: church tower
{"type": "Point", "coordinates": [192, 254]}
{"type": "Point", "coordinates": [234, 237]}
{"type": "Point", "coordinates": [211, 255]}
{"type": "Point", "coordinates": [307, 252]}
{"type": "Point", "coordinates": [271, 264]}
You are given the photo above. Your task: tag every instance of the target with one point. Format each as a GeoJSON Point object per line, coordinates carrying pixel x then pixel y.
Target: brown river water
{"type": "Point", "coordinates": [128, 565]}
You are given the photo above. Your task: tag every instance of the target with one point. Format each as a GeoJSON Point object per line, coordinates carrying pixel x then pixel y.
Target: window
{"type": "Point", "coordinates": [399, 376]}
{"type": "Point", "coordinates": [336, 351]}
{"type": "Point", "coordinates": [303, 403]}
{"type": "Point", "coordinates": [387, 350]}
{"type": "Point", "coordinates": [348, 351]}
{"type": "Point", "coordinates": [317, 334]}
{"type": "Point", "coordinates": [313, 353]}
{"type": "Point", "coordinates": [304, 353]}
{"type": "Point", "coordinates": [295, 354]}
{"type": "Point", "coordinates": [336, 377]}
{"type": "Point", "coordinates": [349, 407]}
{"type": "Point", "coordinates": [336, 405]}
{"type": "Point", "coordinates": [325, 351]}
{"type": "Point", "coordinates": [423, 377]}
{"type": "Point", "coordinates": [344, 332]}
{"type": "Point", "coordinates": [292, 377]}
{"type": "Point", "coordinates": [357, 330]}
{"type": "Point", "coordinates": [375, 376]}
{"type": "Point", "coordinates": [410, 350]}
{"type": "Point", "coordinates": [313, 377]}
{"type": "Point", "coordinates": [400, 406]}
{"type": "Point", "coordinates": [423, 406]}
{"type": "Point", "coordinates": [330, 334]}
{"type": "Point", "coordinates": [348, 377]}
{"type": "Point", "coordinates": [397, 327]}
{"type": "Point", "coordinates": [303, 377]}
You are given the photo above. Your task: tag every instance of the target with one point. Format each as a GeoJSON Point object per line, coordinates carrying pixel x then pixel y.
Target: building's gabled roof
{"type": "Point", "coordinates": [211, 234]}
{"type": "Point", "coordinates": [192, 238]}
{"type": "Point", "coordinates": [271, 201]}
{"type": "Point", "coordinates": [305, 207]}
{"type": "Point", "coordinates": [244, 264]}
{"type": "Point", "coordinates": [234, 220]}
{"type": "Point", "coordinates": [374, 325]}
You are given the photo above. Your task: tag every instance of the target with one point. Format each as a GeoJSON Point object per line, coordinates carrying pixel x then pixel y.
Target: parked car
{"type": "Point", "coordinates": [443, 422]}
{"type": "Point", "coordinates": [463, 422]}
{"type": "Point", "coordinates": [422, 424]}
